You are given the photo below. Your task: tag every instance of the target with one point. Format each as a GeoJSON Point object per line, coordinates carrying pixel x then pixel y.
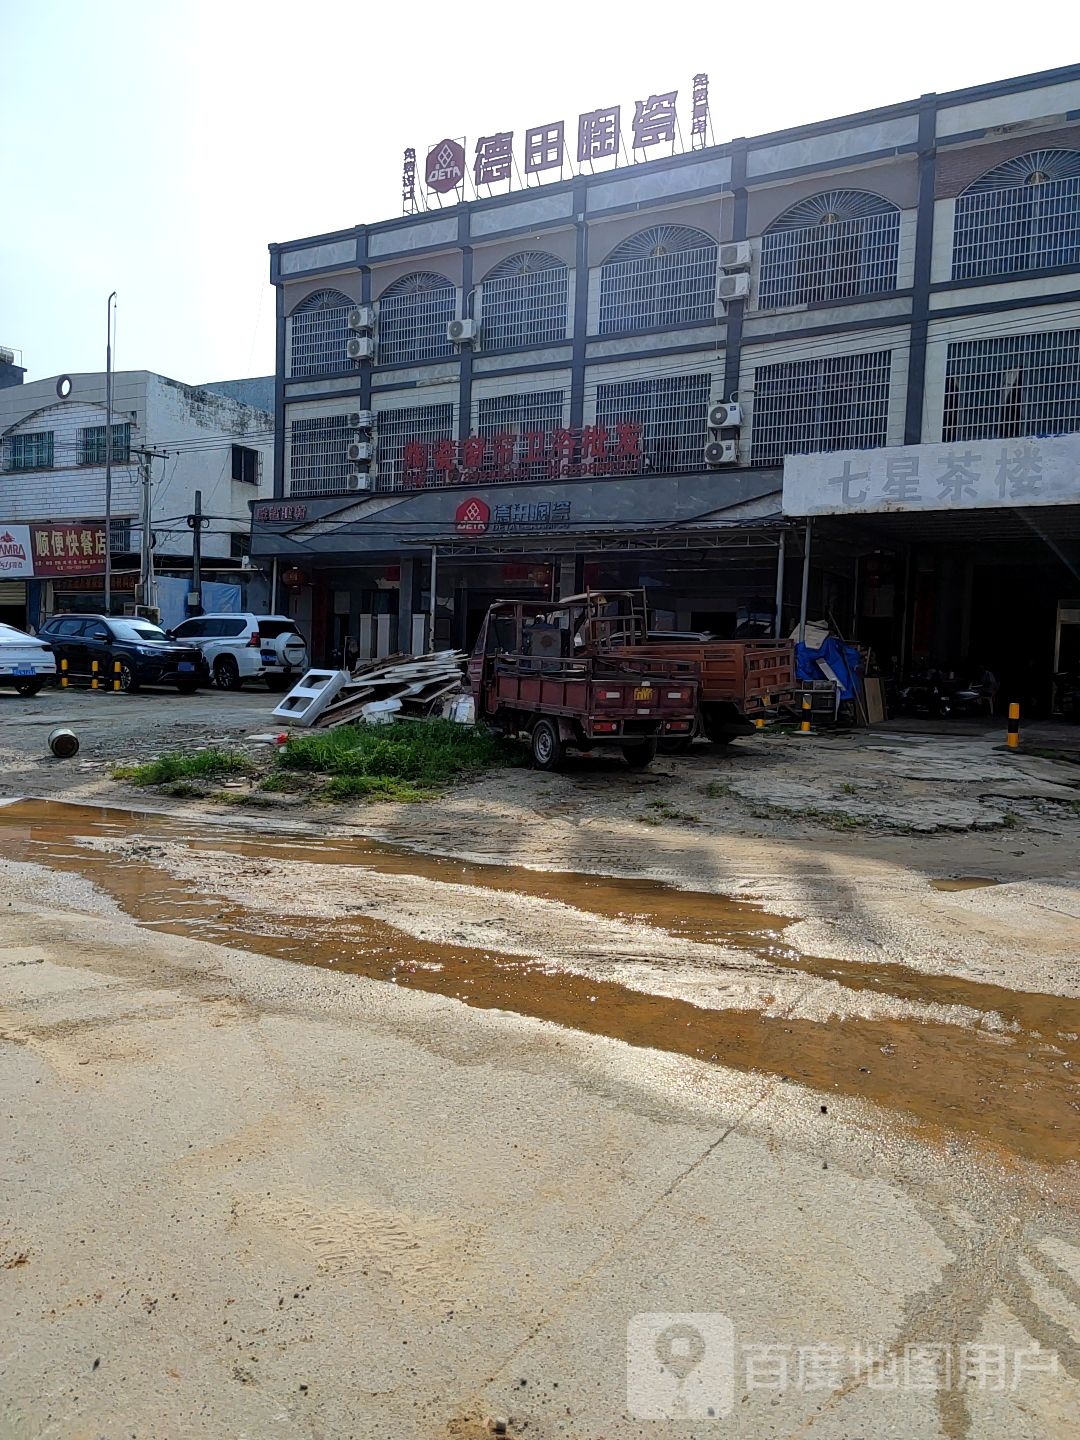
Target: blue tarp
{"type": "Point", "coordinates": [843, 659]}
{"type": "Point", "coordinates": [217, 597]}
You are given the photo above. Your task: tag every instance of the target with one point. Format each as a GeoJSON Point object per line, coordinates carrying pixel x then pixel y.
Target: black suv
{"type": "Point", "coordinates": [146, 655]}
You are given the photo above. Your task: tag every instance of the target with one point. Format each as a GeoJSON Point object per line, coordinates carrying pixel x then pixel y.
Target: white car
{"type": "Point", "coordinates": [247, 647]}
{"type": "Point", "coordinates": [25, 662]}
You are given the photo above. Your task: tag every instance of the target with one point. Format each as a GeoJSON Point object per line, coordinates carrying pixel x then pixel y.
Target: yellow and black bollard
{"type": "Point", "coordinates": [93, 674]}
{"type": "Point", "coordinates": [115, 676]}
{"type": "Point", "coordinates": [804, 727]}
{"type": "Point", "coordinates": [63, 675]}
{"type": "Point", "coordinates": [760, 721]}
{"type": "Point", "coordinates": [1014, 726]}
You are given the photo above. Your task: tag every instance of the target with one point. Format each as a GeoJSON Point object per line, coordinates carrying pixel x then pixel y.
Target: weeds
{"type": "Point", "coordinates": [715, 789]}
{"type": "Point", "coordinates": [181, 768]}
{"type": "Point", "coordinates": [401, 761]}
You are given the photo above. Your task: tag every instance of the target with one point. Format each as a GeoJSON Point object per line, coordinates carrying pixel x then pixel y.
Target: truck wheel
{"type": "Point", "coordinates": [639, 755]}
{"type": "Point", "coordinates": [547, 745]}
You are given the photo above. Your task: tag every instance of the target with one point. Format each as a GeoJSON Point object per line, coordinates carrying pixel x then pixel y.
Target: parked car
{"type": "Point", "coordinates": [25, 662]}
{"type": "Point", "coordinates": [247, 647]}
{"type": "Point", "coordinates": [146, 654]}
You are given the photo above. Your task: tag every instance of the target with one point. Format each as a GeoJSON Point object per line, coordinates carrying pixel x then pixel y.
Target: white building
{"type": "Point", "coordinates": [182, 439]}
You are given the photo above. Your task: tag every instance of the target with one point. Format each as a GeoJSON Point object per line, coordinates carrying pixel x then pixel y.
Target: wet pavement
{"type": "Point", "coordinates": [1004, 1080]}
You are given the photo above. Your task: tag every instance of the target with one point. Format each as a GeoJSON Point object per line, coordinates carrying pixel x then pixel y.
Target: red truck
{"type": "Point", "coordinates": [573, 673]}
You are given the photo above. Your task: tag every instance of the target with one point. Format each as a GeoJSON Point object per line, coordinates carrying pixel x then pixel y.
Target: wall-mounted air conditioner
{"type": "Point", "coordinates": [361, 419]}
{"type": "Point", "coordinates": [360, 452]}
{"type": "Point", "coordinates": [462, 332]}
{"type": "Point", "coordinates": [360, 347]}
{"type": "Point", "coordinates": [732, 287]}
{"type": "Point", "coordinates": [359, 482]}
{"type": "Point", "coordinates": [735, 255]}
{"type": "Point", "coordinates": [721, 452]}
{"type": "Point", "coordinates": [725, 415]}
{"type": "Point", "coordinates": [362, 317]}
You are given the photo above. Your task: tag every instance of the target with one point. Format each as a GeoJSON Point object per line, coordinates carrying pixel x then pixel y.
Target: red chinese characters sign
{"type": "Point", "coordinates": [563, 454]}
{"type": "Point", "coordinates": [74, 547]}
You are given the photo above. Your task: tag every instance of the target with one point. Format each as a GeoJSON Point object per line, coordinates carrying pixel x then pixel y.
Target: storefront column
{"type": "Point", "coordinates": [780, 555]}
{"type": "Point", "coordinates": [571, 575]}
{"type": "Point", "coordinates": [805, 584]}
{"type": "Point", "coordinates": [412, 621]}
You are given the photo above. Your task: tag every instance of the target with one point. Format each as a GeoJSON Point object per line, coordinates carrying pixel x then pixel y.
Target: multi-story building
{"type": "Point", "coordinates": [901, 277]}
{"type": "Point", "coordinates": [177, 439]}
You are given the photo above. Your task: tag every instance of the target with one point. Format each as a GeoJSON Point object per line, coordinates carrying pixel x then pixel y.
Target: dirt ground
{"type": "Point", "coordinates": [389, 1120]}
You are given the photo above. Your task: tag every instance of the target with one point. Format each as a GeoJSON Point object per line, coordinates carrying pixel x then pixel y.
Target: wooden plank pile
{"type": "Point", "coordinates": [415, 686]}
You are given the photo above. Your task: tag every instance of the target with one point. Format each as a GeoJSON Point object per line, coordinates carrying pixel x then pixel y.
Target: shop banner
{"type": "Point", "coordinates": [68, 547]}
{"type": "Point", "coordinates": [16, 556]}
{"type": "Point", "coordinates": [968, 475]}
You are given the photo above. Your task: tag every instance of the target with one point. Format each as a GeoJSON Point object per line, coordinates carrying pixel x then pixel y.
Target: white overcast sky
{"type": "Point", "coordinates": [156, 148]}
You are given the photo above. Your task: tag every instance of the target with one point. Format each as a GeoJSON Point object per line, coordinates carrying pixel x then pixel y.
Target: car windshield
{"type": "Point", "coordinates": [140, 631]}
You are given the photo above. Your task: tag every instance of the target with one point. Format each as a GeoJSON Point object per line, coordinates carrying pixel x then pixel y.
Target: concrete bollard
{"type": "Point", "coordinates": [63, 743]}
{"type": "Point", "coordinates": [1014, 726]}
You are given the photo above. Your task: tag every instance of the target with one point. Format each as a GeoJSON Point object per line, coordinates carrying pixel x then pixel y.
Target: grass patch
{"type": "Point", "coordinates": [286, 782]}
{"type": "Point", "coordinates": [404, 761]}
{"type": "Point", "coordinates": [715, 789]}
{"type": "Point", "coordinates": [178, 768]}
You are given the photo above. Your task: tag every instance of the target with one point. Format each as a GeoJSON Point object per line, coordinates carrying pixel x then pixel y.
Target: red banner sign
{"type": "Point", "coordinates": [68, 548]}
{"type": "Point", "coordinates": [561, 454]}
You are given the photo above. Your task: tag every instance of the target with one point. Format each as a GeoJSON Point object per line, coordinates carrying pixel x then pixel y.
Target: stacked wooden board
{"type": "Point", "coordinates": [419, 684]}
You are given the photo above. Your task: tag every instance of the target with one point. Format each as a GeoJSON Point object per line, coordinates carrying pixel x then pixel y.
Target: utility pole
{"type": "Point", "coordinates": [108, 452]}
{"type": "Point", "coordinates": [195, 521]}
{"type": "Point", "coordinates": [147, 582]}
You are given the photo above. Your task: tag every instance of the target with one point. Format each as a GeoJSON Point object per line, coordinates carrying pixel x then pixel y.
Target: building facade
{"type": "Point", "coordinates": [901, 277]}
{"type": "Point", "coordinates": [175, 439]}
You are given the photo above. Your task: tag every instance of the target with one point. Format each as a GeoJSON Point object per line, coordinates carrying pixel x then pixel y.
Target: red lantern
{"type": "Point", "coordinates": [293, 578]}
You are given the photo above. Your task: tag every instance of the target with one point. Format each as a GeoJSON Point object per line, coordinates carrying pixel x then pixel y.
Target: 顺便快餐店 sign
{"type": "Point", "coordinates": [601, 136]}
{"type": "Point", "coordinates": [44, 549]}
{"type": "Point", "coordinates": [563, 454]}
{"type": "Point", "coordinates": [973, 475]}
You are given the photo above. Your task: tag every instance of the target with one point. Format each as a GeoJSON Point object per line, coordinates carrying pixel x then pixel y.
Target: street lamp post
{"type": "Point", "coordinates": [108, 452]}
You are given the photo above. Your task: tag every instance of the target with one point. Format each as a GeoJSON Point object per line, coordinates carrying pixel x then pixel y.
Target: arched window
{"type": "Point", "coordinates": [523, 301]}
{"type": "Point", "coordinates": [829, 247]}
{"type": "Point", "coordinates": [320, 333]}
{"type": "Point", "coordinates": [1022, 215]}
{"type": "Point", "coordinates": [662, 276]}
{"type": "Point", "coordinates": [413, 314]}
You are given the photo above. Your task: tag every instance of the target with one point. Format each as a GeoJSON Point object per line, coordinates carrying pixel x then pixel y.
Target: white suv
{"type": "Point", "coordinates": [247, 647]}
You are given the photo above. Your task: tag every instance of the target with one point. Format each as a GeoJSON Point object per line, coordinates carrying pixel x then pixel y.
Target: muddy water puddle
{"type": "Point", "coordinates": [1013, 1089]}
{"type": "Point", "coordinates": [961, 882]}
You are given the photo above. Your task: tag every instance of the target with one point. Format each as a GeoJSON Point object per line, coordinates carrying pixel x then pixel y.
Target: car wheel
{"type": "Point", "coordinates": [639, 755]}
{"type": "Point", "coordinates": [278, 682]}
{"type": "Point", "coordinates": [28, 688]}
{"type": "Point", "coordinates": [547, 746]}
{"type": "Point", "coordinates": [128, 682]}
{"type": "Point", "coordinates": [226, 673]}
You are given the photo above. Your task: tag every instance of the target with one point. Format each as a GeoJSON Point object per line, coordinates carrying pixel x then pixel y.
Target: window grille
{"type": "Point", "coordinates": [420, 425]}
{"type": "Point", "coordinates": [92, 445]}
{"type": "Point", "coordinates": [662, 276]}
{"type": "Point", "coordinates": [838, 402]}
{"type": "Point", "coordinates": [320, 333]}
{"type": "Point", "coordinates": [1012, 385]}
{"type": "Point", "coordinates": [413, 315]}
{"type": "Point", "coordinates": [33, 450]}
{"type": "Point", "coordinates": [120, 535]}
{"type": "Point", "coordinates": [1022, 215]}
{"type": "Point", "coordinates": [319, 464]}
{"type": "Point", "coordinates": [830, 247]}
{"type": "Point", "coordinates": [524, 300]}
{"type": "Point", "coordinates": [673, 412]}
{"type": "Point", "coordinates": [518, 414]}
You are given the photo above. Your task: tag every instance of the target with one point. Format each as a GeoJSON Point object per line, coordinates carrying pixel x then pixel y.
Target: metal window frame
{"type": "Point", "coordinates": [30, 450]}
{"type": "Point", "coordinates": [412, 318]}
{"type": "Point", "coordinates": [832, 402]}
{"type": "Point", "coordinates": [396, 428]}
{"type": "Point", "coordinates": [525, 306]}
{"type": "Point", "coordinates": [840, 261]}
{"type": "Point", "coordinates": [518, 414]}
{"type": "Point", "coordinates": [1005, 387]}
{"type": "Point", "coordinates": [91, 444]}
{"type": "Point", "coordinates": [1016, 228]}
{"type": "Point", "coordinates": [318, 463]}
{"type": "Point", "coordinates": [673, 411]}
{"type": "Point", "coordinates": [319, 334]}
{"type": "Point", "coordinates": [675, 288]}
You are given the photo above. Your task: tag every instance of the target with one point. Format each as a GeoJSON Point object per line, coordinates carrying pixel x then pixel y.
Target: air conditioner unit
{"type": "Point", "coordinates": [360, 347]}
{"type": "Point", "coordinates": [360, 451]}
{"type": "Point", "coordinates": [721, 452]}
{"type": "Point", "coordinates": [358, 482]}
{"type": "Point", "coordinates": [732, 287]}
{"type": "Point", "coordinates": [735, 255]}
{"type": "Point", "coordinates": [462, 332]}
{"type": "Point", "coordinates": [725, 415]}
{"type": "Point", "coordinates": [362, 317]}
{"type": "Point", "coordinates": [361, 419]}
